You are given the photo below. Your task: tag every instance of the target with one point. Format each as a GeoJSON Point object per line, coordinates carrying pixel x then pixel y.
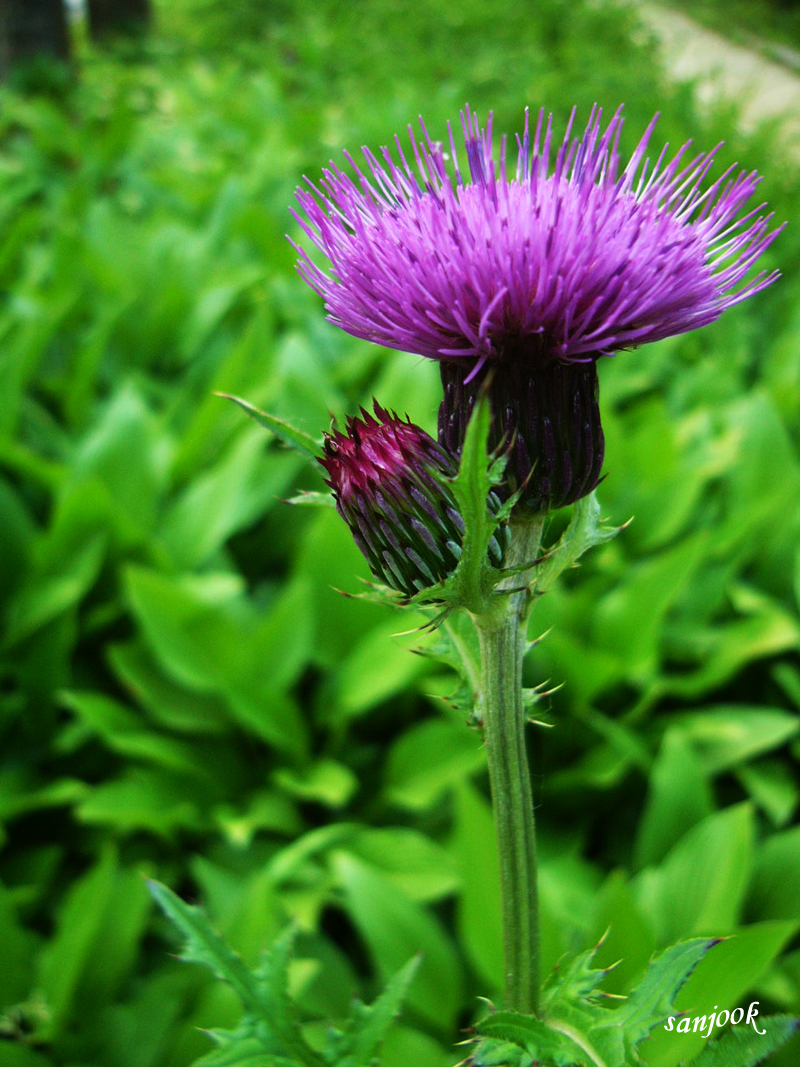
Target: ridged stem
{"type": "Point", "coordinates": [502, 642]}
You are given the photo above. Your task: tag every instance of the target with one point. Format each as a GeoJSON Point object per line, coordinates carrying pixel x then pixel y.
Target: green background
{"type": "Point", "coordinates": [184, 692]}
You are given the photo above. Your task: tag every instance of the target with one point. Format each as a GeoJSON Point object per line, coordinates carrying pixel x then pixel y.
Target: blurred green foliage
{"type": "Point", "coordinates": [184, 692]}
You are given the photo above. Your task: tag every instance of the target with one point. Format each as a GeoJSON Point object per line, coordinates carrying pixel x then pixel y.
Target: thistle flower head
{"type": "Point", "coordinates": [391, 483]}
{"type": "Point", "coordinates": [569, 256]}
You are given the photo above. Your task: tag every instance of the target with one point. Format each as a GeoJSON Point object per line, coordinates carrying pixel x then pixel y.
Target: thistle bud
{"type": "Point", "coordinates": [545, 414]}
{"type": "Point", "coordinates": [391, 481]}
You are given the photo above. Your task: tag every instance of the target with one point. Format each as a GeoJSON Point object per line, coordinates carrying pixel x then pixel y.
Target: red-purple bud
{"type": "Point", "coordinates": [391, 481]}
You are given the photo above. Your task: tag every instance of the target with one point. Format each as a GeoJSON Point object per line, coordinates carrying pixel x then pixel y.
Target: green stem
{"type": "Point", "coordinates": [502, 637]}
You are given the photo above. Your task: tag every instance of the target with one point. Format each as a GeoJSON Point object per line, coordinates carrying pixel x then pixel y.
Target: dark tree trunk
{"type": "Point", "coordinates": [108, 17]}
{"type": "Point", "coordinates": [31, 29]}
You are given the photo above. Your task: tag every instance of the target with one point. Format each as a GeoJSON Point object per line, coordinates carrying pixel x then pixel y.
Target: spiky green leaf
{"type": "Point", "coordinates": [543, 1042]}
{"type": "Point", "coordinates": [292, 437]}
{"type": "Point", "coordinates": [370, 1024]}
{"type": "Point", "coordinates": [263, 993]}
{"type": "Point", "coordinates": [743, 1047]}
{"type": "Point", "coordinates": [585, 530]}
{"type": "Point", "coordinates": [653, 999]}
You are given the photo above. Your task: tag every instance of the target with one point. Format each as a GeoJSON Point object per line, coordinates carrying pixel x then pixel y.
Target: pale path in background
{"type": "Point", "coordinates": [726, 70]}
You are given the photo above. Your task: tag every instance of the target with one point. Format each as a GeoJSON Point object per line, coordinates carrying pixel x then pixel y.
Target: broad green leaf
{"type": "Point", "coordinates": [21, 792]}
{"type": "Point", "coordinates": [17, 1055]}
{"type": "Point", "coordinates": [699, 887]}
{"type": "Point", "coordinates": [125, 453]}
{"type": "Point", "coordinates": [772, 788]}
{"type": "Point", "coordinates": [17, 536]}
{"type": "Point", "coordinates": [144, 799]}
{"type": "Point", "coordinates": [725, 650]}
{"type": "Point", "coordinates": [421, 869]}
{"type": "Point", "coordinates": [69, 953]}
{"type": "Point", "coordinates": [235, 492]}
{"type": "Point", "coordinates": [395, 927]}
{"type": "Point", "coordinates": [774, 891]}
{"type": "Point", "coordinates": [679, 796]}
{"type": "Point", "coordinates": [330, 563]}
{"type": "Point", "coordinates": [209, 638]}
{"type": "Point", "coordinates": [263, 810]}
{"type": "Point", "coordinates": [628, 940]}
{"type": "Point", "coordinates": [359, 685]}
{"type": "Point", "coordinates": [169, 703]}
{"type": "Point", "coordinates": [722, 979]}
{"type": "Point", "coordinates": [404, 1046]}
{"type": "Point", "coordinates": [18, 945]}
{"type": "Point", "coordinates": [630, 617]}
{"type": "Point", "coordinates": [127, 734]}
{"type": "Point", "coordinates": [47, 595]}
{"type": "Point", "coordinates": [429, 759]}
{"type": "Point", "coordinates": [326, 781]}
{"type": "Point", "coordinates": [116, 948]}
{"type": "Point", "coordinates": [725, 736]}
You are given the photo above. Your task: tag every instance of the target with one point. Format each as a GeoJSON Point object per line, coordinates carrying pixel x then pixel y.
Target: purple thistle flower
{"type": "Point", "coordinates": [391, 484]}
{"type": "Point", "coordinates": [564, 262]}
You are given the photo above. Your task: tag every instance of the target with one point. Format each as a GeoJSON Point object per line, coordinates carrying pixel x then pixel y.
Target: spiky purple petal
{"type": "Point", "coordinates": [581, 254]}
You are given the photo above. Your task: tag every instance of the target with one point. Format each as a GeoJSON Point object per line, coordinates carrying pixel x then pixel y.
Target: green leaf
{"type": "Point", "coordinates": [167, 702]}
{"type": "Point", "coordinates": [359, 686]}
{"type": "Point", "coordinates": [325, 781]}
{"type": "Point", "coordinates": [263, 993]}
{"type": "Point", "coordinates": [395, 928]}
{"type": "Point", "coordinates": [125, 733]}
{"type": "Point", "coordinates": [204, 945]}
{"type": "Point", "coordinates": [247, 1053]}
{"type": "Point", "coordinates": [429, 759]}
{"type": "Point", "coordinates": [584, 531]}
{"type": "Point", "coordinates": [728, 735]}
{"type": "Point", "coordinates": [539, 1039]}
{"type": "Point", "coordinates": [679, 796]}
{"type": "Point", "coordinates": [371, 1024]}
{"type": "Point", "coordinates": [772, 788]}
{"type": "Point", "coordinates": [742, 1047]}
{"type": "Point", "coordinates": [126, 454]}
{"type": "Point", "coordinates": [294, 438]}
{"type": "Point", "coordinates": [69, 953]}
{"type": "Point", "coordinates": [699, 888]}
{"type": "Point", "coordinates": [774, 891]}
{"type": "Point", "coordinates": [627, 940]}
{"type": "Point", "coordinates": [421, 869]}
{"type": "Point", "coordinates": [722, 978]}
{"type": "Point", "coordinates": [313, 499]}
{"type": "Point", "coordinates": [241, 487]}
{"type": "Point", "coordinates": [208, 637]}
{"type": "Point", "coordinates": [471, 488]}
{"type": "Point", "coordinates": [47, 595]}
{"type": "Point", "coordinates": [404, 1046]}
{"type": "Point", "coordinates": [652, 1001]}
{"type": "Point", "coordinates": [17, 951]}
{"type": "Point", "coordinates": [474, 846]}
